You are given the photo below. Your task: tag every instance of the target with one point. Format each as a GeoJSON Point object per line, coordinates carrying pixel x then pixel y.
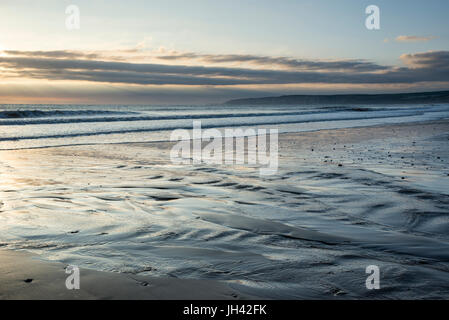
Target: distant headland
{"type": "Point", "coordinates": [395, 98]}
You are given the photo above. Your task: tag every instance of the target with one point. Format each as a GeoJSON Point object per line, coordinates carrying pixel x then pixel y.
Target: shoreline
{"type": "Point", "coordinates": [407, 124]}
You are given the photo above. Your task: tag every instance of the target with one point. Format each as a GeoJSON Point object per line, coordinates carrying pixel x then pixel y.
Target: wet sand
{"type": "Point", "coordinates": [341, 200]}
{"type": "Point", "coordinates": [22, 276]}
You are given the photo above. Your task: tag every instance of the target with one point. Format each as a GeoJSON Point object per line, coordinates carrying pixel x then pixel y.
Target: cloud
{"type": "Point", "coordinates": [57, 54]}
{"type": "Point", "coordinates": [413, 38]}
{"type": "Point", "coordinates": [232, 59]}
{"type": "Point", "coordinates": [291, 63]}
{"type": "Point", "coordinates": [421, 67]}
{"type": "Point", "coordinates": [433, 60]}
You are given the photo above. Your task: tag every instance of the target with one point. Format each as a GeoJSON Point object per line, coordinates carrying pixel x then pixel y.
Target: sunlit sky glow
{"type": "Point", "coordinates": [145, 52]}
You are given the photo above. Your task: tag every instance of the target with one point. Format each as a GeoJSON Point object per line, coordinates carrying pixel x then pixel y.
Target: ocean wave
{"type": "Point", "coordinates": [272, 121]}
{"type": "Point", "coordinates": [19, 114]}
{"type": "Point", "coordinates": [28, 117]}
{"type": "Point", "coordinates": [143, 117]}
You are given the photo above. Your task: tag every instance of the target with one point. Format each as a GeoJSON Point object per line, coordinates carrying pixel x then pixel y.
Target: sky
{"type": "Point", "coordinates": [198, 51]}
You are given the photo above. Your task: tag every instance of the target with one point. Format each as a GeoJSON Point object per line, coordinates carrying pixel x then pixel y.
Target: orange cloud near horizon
{"type": "Point", "coordinates": [414, 38]}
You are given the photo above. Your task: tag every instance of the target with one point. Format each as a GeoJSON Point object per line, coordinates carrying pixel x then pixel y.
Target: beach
{"type": "Point", "coordinates": [342, 199]}
{"type": "Point", "coordinates": [37, 280]}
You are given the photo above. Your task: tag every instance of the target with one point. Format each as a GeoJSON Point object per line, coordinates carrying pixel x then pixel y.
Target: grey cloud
{"type": "Point", "coordinates": [427, 67]}
{"type": "Point", "coordinates": [354, 65]}
{"type": "Point", "coordinates": [432, 59]}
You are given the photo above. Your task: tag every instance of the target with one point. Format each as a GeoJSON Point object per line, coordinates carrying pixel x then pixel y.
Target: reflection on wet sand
{"type": "Point", "coordinates": [342, 200]}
